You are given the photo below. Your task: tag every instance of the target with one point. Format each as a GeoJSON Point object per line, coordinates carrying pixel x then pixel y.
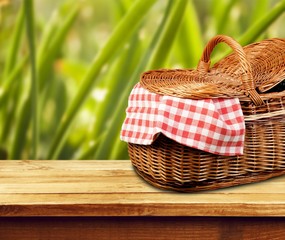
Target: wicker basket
{"type": "Point", "coordinates": [249, 74]}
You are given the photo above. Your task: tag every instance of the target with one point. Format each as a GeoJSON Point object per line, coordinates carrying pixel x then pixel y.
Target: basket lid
{"type": "Point", "coordinates": [267, 60]}
{"type": "Point", "coordinates": [191, 83]}
{"type": "Point", "coordinates": [253, 67]}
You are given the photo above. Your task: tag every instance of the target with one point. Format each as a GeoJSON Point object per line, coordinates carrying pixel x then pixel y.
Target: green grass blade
{"type": "Point", "coordinates": [120, 151]}
{"type": "Point", "coordinates": [114, 82]}
{"type": "Point", "coordinates": [260, 9]}
{"type": "Point", "coordinates": [49, 33]}
{"type": "Point", "coordinates": [15, 44]}
{"type": "Point", "coordinates": [51, 47]}
{"type": "Point", "coordinates": [44, 62]}
{"type": "Point", "coordinates": [159, 56]}
{"type": "Point", "coordinates": [20, 132]}
{"type": "Point", "coordinates": [10, 80]}
{"type": "Point", "coordinates": [9, 69]}
{"type": "Point", "coordinates": [122, 97]}
{"type": "Point", "coordinates": [29, 15]}
{"type": "Point", "coordinates": [10, 113]}
{"type": "Point", "coordinates": [224, 15]}
{"type": "Point", "coordinates": [114, 85]}
{"type": "Point", "coordinates": [261, 25]}
{"type": "Point", "coordinates": [190, 42]}
{"type": "Point", "coordinates": [216, 11]}
{"type": "Point", "coordinates": [149, 51]}
{"type": "Point", "coordinates": [118, 37]}
{"type": "Point", "coordinates": [5, 98]}
{"type": "Point", "coordinates": [118, 116]}
{"type": "Point", "coordinates": [89, 152]}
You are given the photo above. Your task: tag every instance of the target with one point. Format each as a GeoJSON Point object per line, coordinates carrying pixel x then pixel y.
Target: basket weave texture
{"type": "Point", "coordinates": [250, 73]}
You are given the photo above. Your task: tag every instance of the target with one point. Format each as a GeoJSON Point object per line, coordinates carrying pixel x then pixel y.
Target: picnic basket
{"type": "Point", "coordinates": [255, 75]}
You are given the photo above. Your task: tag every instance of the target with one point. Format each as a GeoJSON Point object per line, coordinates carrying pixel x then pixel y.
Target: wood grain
{"type": "Point", "coordinates": [142, 228]}
{"type": "Point", "coordinates": [112, 188]}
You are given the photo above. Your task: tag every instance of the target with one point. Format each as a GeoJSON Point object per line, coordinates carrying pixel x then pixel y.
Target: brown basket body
{"type": "Point", "coordinates": [171, 165]}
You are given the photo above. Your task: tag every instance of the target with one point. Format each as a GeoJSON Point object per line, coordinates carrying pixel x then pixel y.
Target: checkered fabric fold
{"type": "Point", "coordinates": [212, 125]}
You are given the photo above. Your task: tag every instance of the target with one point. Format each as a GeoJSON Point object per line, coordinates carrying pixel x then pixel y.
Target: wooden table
{"type": "Point", "coordinates": [107, 200]}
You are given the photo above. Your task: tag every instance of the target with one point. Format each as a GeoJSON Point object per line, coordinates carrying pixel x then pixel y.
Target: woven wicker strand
{"type": "Point", "coordinates": [170, 165]}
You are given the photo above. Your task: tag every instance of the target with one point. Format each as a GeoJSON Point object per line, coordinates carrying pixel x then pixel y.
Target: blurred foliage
{"type": "Point", "coordinates": [88, 56]}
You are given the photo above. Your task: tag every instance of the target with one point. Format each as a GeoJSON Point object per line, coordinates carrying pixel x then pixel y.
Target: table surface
{"type": "Point", "coordinates": [112, 188]}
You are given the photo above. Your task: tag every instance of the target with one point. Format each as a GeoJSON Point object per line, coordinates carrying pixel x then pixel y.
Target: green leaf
{"type": "Point", "coordinates": [9, 101]}
{"type": "Point", "coordinates": [114, 85]}
{"type": "Point", "coordinates": [223, 14]}
{"type": "Point", "coordinates": [260, 9]}
{"type": "Point", "coordinates": [51, 46]}
{"type": "Point", "coordinates": [121, 93]}
{"type": "Point", "coordinates": [15, 44]}
{"type": "Point", "coordinates": [159, 56]}
{"type": "Point", "coordinates": [261, 25]}
{"type": "Point", "coordinates": [118, 37]}
{"type": "Point", "coordinates": [190, 42]}
{"type": "Point", "coordinates": [29, 15]}
{"type": "Point", "coordinates": [43, 66]}
{"type": "Point", "coordinates": [10, 73]}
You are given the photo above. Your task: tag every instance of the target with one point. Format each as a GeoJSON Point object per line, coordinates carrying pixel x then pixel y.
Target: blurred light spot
{"type": "Point", "coordinates": [235, 13]}
{"type": "Point", "coordinates": [87, 12]}
{"type": "Point", "coordinates": [74, 44]}
{"type": "Point", "coordinates": [99, 94]}
{"type": "Point", "coordinates": [85, 116]}
{"type": "Point", "coordinates": [142, 34]}
{"type": "Point", "coordinates": [127, 46]}
{"type": "Point", "coordinates": [177, 66]}
{"type": "Point", "coordinates": [4, 2]}
{"type": "Point", "coordinates": [91, 143]}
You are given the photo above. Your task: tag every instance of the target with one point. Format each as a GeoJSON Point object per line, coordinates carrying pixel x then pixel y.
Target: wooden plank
{"type": "Point", "coordinates": [138, 198]}
{"type": "Point", "coordinates": [112, 184]}
{"type": "Point", "coordinates": [46, 174]}
{"type": "Point", "coordinates": [51, 165]}
{"type": "Point", "coordinates": [111, 188]}
{"type": "Point", "coordinates": [143, 209]}
{"type": "Point", "coordinates": [142, 228]}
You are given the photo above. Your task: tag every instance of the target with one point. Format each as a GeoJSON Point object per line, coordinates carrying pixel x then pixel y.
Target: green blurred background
{"type": "Point", "coordinates": [67, 67]}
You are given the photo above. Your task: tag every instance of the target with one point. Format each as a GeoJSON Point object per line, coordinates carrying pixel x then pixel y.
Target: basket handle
{"type": "Point", "coordinates": [248, 83]}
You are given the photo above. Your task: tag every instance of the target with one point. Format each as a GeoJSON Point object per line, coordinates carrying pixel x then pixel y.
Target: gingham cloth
{"type": "Point", "coordinates": [212, 125]}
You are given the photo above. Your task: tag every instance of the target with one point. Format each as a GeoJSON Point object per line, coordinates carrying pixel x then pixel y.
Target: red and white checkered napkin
{"type": "Point", "coordinates": [212, 125]}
